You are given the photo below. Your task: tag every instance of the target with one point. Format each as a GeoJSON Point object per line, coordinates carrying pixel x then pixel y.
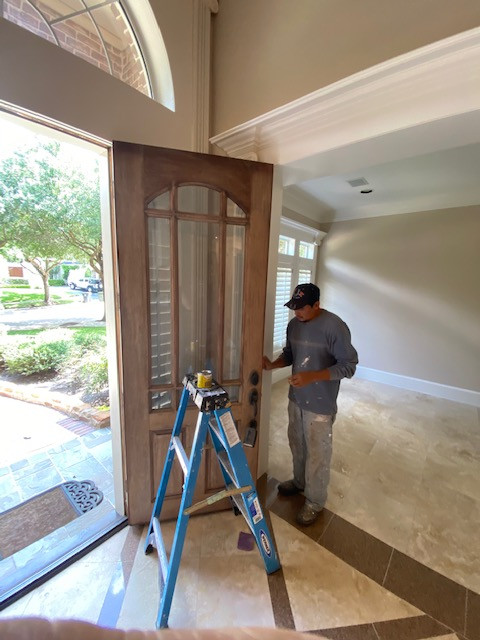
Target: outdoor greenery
{"type": "Point", "coordinates": [15, 282]}
{"type": "Point", "coordinates": [49, 216]}
{"type": "Point", "coordinates": [49, 210]}
{"type": "Point", "coordinates": [21, 299]}
{"type": "Point", "coordinates": [76, 355]}
{"type": "Point", "coordinates": [42, 353]}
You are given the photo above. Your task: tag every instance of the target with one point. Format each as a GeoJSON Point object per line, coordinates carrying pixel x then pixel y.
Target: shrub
{"type": "Point", "coordinates": [15, 282]}
{"type": "Point", "coordinates": [43, 353]}
{"type": "Point", "coordinates": [3, 341]}
{"type": "Point", "coordinates": [87, 365]}
{"type": "Point", "coordinates": [89, 341]}
{"type": "Point", "coordinates": [56, 282]}
{"type": "Point", "coordinates": [93, 372]}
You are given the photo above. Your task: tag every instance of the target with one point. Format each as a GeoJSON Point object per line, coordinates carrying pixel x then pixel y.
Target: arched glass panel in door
{"type": "Point", "coordinates": [196, 240]}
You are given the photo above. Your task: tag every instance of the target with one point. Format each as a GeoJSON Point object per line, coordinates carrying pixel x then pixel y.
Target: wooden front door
{"type": "Point", "coordinates": [192, 236]}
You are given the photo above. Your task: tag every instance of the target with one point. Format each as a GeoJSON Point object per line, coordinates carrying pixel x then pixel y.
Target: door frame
{"type": "Point", "coordinates": [103, 147]}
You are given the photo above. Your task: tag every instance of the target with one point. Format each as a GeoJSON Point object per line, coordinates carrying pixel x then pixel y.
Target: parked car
{"type": "Point", "coordinates": [93, 285]}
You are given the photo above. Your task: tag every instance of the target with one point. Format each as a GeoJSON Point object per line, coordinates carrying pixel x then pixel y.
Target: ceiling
{"type": "Point", "coordinates": [438, 180]}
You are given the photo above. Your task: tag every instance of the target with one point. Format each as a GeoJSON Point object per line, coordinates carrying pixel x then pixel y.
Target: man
{"type": "Point", "coordinates": [320, 350]}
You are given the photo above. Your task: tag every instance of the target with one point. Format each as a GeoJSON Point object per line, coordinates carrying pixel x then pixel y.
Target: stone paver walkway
{"type": "Point", "coordinates": [41, 447]}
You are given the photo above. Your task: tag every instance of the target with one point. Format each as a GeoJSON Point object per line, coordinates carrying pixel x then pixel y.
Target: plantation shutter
{"type": "Point", "coordinates": [304, 275]}
{"type": "Point", "coordinates": [283, 293]}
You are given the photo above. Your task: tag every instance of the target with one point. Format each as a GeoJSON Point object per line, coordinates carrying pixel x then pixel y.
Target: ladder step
{"type": "Point", "coordinates": [216, 430]}
{"type": "Point", "coordinates": [225, 462]}
{"type": "Point", "coordinates": [224, 493]}
{"type": "Point", "coordinates": [241, 507]}
{"type": "Point", "coordinates": [160, 545]}
{"type": "Point", "coordinates": [182, 456]}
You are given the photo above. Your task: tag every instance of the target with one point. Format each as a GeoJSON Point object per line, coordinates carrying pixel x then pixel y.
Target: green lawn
{"type": "Point", "coordinates": [12, 298]}
{"type": "Point", "coordinates": [34, 332]}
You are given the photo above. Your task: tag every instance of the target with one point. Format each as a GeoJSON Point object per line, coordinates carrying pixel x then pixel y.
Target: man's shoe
{"type": "Point", "coordinates": [307, 515]}
{"type": "Point", "coordinates": [288, 488]}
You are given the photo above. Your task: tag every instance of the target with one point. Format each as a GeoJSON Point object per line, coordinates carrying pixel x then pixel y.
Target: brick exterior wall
{"type": "Point", "coordinates": [15, 272]}
{"type": "Point", "coordinates": [79, 36]}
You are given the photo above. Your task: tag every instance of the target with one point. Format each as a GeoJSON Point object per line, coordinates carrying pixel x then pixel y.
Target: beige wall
{"type": "Point", "coordinates": [270, 52]}
{"type": "Point", "coordinates": [407, 285]}
{"type": "Point", "coordinates": [41, 77]}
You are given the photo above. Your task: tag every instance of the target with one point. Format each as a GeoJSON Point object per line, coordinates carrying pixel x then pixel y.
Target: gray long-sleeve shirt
{"type": "Point", "coordinates": [321, 343]}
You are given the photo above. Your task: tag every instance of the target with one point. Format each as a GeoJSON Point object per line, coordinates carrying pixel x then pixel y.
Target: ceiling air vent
{"type": "Point", "coordinates": [357, 182]}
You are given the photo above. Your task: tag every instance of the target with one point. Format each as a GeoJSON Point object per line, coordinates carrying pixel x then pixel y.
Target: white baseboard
{"type": "Point", "coordinates": [466, 396]}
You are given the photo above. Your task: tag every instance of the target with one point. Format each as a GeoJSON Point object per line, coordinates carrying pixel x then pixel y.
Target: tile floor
{"type": "Point", "coordinates": [393, 556]}
{"type": "Point", "coordinates": [116, 586]}
{"type": "Point", "coordinates": [405, 468]}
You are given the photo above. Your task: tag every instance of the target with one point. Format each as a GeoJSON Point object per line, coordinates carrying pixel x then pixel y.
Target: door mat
{"type": "Point", "coordinates": [37, 517]}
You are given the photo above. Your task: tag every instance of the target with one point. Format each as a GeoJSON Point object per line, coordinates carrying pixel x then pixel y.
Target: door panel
{"type": "Point", "coordinates": [192, 236]}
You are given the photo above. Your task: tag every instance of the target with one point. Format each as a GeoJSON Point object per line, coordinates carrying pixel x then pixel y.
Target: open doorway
{"type": "Point", "coordinates": [60, 479]}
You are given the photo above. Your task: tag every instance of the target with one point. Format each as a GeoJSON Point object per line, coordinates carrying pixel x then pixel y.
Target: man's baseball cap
{"type": "Point", "coordinates": [304, 294]}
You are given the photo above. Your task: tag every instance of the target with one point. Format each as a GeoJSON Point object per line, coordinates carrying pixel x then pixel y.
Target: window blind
{"type": "Point", "coordinates": [304, 275]}
{"type": "Point", "coordinates": [283, 293]}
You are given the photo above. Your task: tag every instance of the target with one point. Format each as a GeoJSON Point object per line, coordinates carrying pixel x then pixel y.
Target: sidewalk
{"type": "Point", "coordinates": [78, 313]}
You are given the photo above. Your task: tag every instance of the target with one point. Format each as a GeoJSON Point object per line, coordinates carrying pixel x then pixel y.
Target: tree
{"type": "Point", "coordinates": [79, 215]}
{"type": "Point", "coordinates": [50, 209]}
{"type": "Point", "coordinates": [9, 203]}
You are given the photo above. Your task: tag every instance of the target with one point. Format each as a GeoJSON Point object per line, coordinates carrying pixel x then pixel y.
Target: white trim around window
{"type": "Point", "coordinates": [292, 269]}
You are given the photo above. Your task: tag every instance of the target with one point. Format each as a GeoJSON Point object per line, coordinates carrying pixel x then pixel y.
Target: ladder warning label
{"type": "Point", "coordinates": [255, 511]}
{"type": "Point", "coordinates": [230, 429]}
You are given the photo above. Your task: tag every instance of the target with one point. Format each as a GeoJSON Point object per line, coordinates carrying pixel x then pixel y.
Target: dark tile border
{"type": "Point", "coordinates": [472, 618]}
{"type": "Point", "coordinates": [282, 611]}
{"type": "Point", "coordinates": [444, 601]}
{"type": "Point", "coordinates": [415, 628]}
{"type": "Point", "coordinates": [266, 490]}
{"type": "Point", "coordinates": [353, 632]}
{"type": "Point", "coordinates": [287, 509]}
{"type": "Point", "coordinates": [428, 590]}
{"type": "Point", "coordinates": [356, 547]}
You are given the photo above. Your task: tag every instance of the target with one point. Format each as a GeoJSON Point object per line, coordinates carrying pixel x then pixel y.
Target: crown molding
{"type": "Point", "coordinates": [297, 200]}
{"type": "Point", "coordinates": [434, 82]}
{"type": "Point", "coordinates": [317, 234]}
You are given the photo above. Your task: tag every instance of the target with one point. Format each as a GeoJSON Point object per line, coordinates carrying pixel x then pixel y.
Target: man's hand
{"type": "Point", "coordinates": [267, 363]}
{"type": "Point", "coordinates": [307, 377]}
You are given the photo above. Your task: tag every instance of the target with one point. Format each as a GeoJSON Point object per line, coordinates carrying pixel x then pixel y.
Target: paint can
{"type": "Point", "coordinates": [204, 379]}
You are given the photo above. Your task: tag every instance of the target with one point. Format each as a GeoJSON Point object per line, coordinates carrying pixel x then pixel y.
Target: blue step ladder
{"type": "Point", "coordinates": [215, 418]}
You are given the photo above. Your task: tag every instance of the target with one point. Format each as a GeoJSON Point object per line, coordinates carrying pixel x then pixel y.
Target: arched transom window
{"type": "Point", "coordinates": [98, 31]}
